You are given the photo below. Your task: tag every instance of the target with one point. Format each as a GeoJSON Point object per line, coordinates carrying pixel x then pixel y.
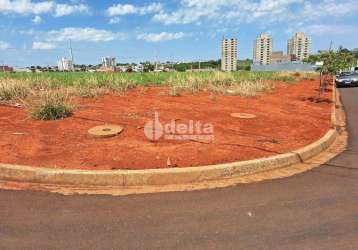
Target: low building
{"type": "Point", "coordinates": [279, 57]}
{"type": "Point", "coordinates": [4, 68]}
{"type": "Point", "coordinates": [123, 68]}
{"type": "Point", "coordinates": [138, 68]}
{"type": "Point", "coordinates": [105, 69]}
{"type": "Point", "coordinates": [65, 64]}
{"type": "Point", "coordinates": [22, 70]}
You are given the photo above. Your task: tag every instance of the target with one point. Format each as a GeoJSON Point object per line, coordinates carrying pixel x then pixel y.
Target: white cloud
{"type": "Point", "coordinates": [330, 8]}
{"type": "Point", "coordinates": [66, 9]}
{"type": "Point", "coordinates": [264, 11]}
{"type": "Point", "coordinates": [82, 34]}
{"type": "Point", "coordinates": [29, 32]}
{"type": "Point", "coordinates": [126, 9]}
{"type": "Point", "coordinates": [43, 46]}
{"type": "Point", "coordinates": [121, 9]}
{"type": "Point", "coordinates": [321, 29]}
{"type": "Point", "coordinates": [37, 20]}
{"type": "Point", "coordinates": [114, 20]}
{"type": "Point", "coordinates": [26, 7]}
{"type": "Point", "coordinates": [192, 11]}
{"type": "Point", "coordinates": [158, 37]}
{"type": "Point", "coordinates": [4, 45]}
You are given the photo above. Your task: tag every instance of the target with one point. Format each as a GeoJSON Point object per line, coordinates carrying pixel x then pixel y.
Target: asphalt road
{"type": "Point", "coordinates": [314, 210]}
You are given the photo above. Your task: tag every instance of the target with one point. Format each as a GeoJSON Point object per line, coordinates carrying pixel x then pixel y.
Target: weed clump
{"type": "Point", "coordinates": [11, 90]}
{"type": "Point", "coordinates": [51, 105]}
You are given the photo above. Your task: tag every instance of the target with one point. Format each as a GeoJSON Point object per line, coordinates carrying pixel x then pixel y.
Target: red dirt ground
{"type": "Point", "coordinates": [287, 119]}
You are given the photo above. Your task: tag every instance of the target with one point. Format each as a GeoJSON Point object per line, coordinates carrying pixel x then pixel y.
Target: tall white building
{"type": "Point", "coordinates": [65, 64]}
{"type": "Point", "coordinates": [299, 47]}
{"type": "Point", "coordinates": [109, 62]}
{"type": "Point", "coordinates": [263, 49]}
{"type": "Point", "coordinates": [229, 55]}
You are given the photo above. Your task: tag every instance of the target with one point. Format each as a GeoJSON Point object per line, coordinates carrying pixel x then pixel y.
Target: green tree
{"type": "Point", "coordinates": [334, 61]}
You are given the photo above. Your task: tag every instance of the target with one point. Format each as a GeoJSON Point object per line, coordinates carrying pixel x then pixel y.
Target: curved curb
{"type": "Point", "coordinates": [155, 177]}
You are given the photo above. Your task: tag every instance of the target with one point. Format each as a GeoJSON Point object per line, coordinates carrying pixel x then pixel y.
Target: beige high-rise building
{"type": "Point", "coordinates": [263, 49]}
{"type": "Point", "coordinates": [229, 55]}
{"type": "Point", "coordinates": [299, 47]}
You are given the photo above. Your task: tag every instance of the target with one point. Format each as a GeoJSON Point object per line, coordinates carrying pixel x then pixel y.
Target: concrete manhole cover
{"type": "Point", "coordinates": [105, 131]}
{"type": "Point", "coordinates": [243, 115]}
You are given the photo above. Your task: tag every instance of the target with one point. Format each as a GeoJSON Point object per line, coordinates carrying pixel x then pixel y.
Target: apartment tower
{"type": "Point", "coordinates": [108, 62]}
{"type": "Point", "coordinates": [65, 65]}
{"type": "Point", "coordinates": [263, 49]}
{"type": "Point", "coordinates": [298, 47]}
{"type": "Point", "coordinates": [229, 55]}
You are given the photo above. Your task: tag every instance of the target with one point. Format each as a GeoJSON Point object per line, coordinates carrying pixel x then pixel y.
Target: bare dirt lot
{"type": "Point", "coordinates": [287, 118]}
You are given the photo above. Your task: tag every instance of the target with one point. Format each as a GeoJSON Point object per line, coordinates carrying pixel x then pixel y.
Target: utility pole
{"type": "Point", "coordinates": [71, 55]}
{"type": "Point", "coordinates": [331, 46]}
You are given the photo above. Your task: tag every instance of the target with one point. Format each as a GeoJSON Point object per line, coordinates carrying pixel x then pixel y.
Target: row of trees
{"type": "Point", "coordinates": [212, 64]}
{"type": "Point", "coordinates": [335, 61]}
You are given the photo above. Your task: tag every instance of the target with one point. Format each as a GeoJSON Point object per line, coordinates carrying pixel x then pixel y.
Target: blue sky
{"type": "Point", "coordinates": [36, 32]}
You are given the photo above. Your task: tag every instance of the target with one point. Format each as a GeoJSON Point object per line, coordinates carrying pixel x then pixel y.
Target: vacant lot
{"type": "Point", "coordinates": [49, 96]}
{"type": "Point", "coordinates": [287, 117]}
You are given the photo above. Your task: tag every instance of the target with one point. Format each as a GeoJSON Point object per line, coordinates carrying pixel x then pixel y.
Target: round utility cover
{"type": "Point", "coordinates": [105, 131]}
{"type": "Point", "coordinates": [243, 115]}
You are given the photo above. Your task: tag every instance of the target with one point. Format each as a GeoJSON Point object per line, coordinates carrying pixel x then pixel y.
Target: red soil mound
{"type": "Point", "coordinates": [287, 119]}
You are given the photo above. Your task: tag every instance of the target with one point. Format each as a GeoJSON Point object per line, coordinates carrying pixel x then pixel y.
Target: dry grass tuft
{"type": "Point", "coordinates": [243, 88]}
{"type": "Point", "coordinates": [13, 90]}
{"type": "Point", "coordinates": [217, 82]}
{"type": "Point", "coordinates": [51, 105]}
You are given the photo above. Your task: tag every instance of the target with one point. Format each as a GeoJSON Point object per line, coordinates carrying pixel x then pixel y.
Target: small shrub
{"type": "Point", "coordinates": [51, 105]}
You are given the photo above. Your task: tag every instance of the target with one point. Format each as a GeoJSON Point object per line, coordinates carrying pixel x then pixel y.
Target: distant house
{"type": "Point", "coordinates": [112, 69]}
{"type": "Point", "coordinates": [23, 70]}
{"type": "Point", "coordinates": [138, 68]}
{"type": "Point", "coordinates": [5, 68]}
{"type": "Point", "coordinates": [123, 68]}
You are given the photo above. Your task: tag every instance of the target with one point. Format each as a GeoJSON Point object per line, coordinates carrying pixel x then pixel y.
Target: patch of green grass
{"type": "Point", "coordinates": [55, 80]}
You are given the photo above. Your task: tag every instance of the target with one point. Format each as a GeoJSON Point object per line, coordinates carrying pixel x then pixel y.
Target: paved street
{"type": "Point", "coordinates": [314, 210]}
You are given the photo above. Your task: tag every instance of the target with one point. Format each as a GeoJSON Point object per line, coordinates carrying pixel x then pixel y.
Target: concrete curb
{"type": "Point", "coordinates": [155, 177]}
